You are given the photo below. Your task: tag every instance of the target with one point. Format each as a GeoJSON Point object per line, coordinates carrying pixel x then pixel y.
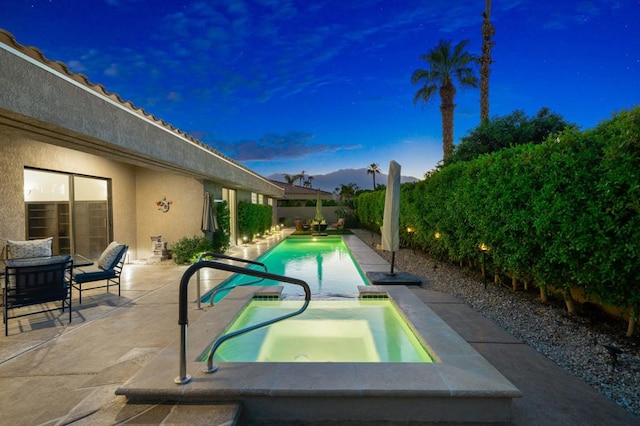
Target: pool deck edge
{"type": "Point", "coordinates": [462, 377]}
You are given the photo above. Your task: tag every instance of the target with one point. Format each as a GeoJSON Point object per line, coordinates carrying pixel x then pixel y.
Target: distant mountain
{"type": "Point", "coordinates": [333, 180]}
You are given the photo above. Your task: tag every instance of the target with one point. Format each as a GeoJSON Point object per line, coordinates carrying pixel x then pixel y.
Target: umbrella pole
{"type": "Point", "coordinates": [393, 261]}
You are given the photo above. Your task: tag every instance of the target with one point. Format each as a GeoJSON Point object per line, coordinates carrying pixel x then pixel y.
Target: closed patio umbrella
{"type": "Point", "coordinates": [209, 219]}
{"type": "Point", "coordinates": [391, 219]}
{"type": "Point", "coordinates": [319, 218]}
{"type": "Point", "coordinates": [391, 233]}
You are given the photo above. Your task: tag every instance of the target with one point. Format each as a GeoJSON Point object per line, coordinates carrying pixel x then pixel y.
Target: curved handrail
{"type": "Point", "coordinates": [183, 313]}
{"type": "Point", "coordinates": [224, 256]}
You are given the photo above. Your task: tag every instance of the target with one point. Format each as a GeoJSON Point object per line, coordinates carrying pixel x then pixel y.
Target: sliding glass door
{"type": "Point", "coordinates": [73, 209]}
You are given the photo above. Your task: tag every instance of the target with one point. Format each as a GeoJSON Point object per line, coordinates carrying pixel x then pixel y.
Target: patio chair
{"type": "Point", "coordinates": [339, 224]}
{"type": "Point", "coordinates": [301, 226]}
{"type": "Point", "coordinates": [34, 281]}
{"type": "Point", "coordinates": [108, 269]}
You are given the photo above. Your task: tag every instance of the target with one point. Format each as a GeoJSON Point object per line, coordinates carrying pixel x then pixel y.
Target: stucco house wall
{"type": "Point", "coordinates": [19, 152]}
{"type": "Point", "coordinates": [183, 218]}
{"type": "Point", "coordinates": [53, 119]}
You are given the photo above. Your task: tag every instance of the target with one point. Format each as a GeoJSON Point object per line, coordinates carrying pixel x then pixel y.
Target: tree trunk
{"type": "Point", "coordinates": [526, 285]}
{"type": "Point", "coordinates": [514, 283]}
{"type": "Point", "coordinates": [631, 327]}
{"type": "Point", "coordinates": [447, 94]}
{"type": "Point", "coordinates": [633, 322]}
{"type": "Point", "coordinates": [543, 295]}
{"type": "Point", "coordinates": [488, 31]}
{"type": "Point", "coordinates": [568, 300]}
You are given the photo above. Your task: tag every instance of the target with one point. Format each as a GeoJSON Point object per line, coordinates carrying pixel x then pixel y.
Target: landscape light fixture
{"type": "Point", "coordinates": [411, 231]}
{"type": "Point", "coordinates": [484, 248]}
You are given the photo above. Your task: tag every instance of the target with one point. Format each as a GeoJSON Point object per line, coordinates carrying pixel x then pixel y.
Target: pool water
{"type": "Point", "coordinates": [326, 264]}
{"type": "Point", "coordinates": [354, 330]}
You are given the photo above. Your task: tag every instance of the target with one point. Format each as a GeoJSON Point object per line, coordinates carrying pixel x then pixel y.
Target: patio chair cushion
{"type": "Point", "coordinates": [111, 255]}
{"type": "Point", "coordinates": [92, 273]}
{"type": "Point", "coordinates": [31, 248]}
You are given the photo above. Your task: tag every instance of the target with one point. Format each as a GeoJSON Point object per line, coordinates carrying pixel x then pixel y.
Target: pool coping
{"type": "Point", "coordinates": [461, 386]}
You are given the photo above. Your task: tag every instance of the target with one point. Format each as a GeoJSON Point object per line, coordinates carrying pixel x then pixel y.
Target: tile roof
{"type": "Point", "coordinates": [290, 189]}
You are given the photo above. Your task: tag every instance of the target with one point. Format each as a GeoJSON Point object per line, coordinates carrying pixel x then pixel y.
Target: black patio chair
{"type": "Point", "coordinates": [36, 281]}
{"type": "Point", "coordinates": [108, 269]}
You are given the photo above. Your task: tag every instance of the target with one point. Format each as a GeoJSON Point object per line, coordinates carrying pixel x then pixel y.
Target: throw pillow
{"type": "Point", "coordinates": [31, 248]}
{"type": "Point", "coordinates": [111, 255]}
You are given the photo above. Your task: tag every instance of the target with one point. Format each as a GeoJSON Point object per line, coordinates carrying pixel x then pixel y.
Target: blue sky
{"type": "Point", "coordinates": [285, 86]}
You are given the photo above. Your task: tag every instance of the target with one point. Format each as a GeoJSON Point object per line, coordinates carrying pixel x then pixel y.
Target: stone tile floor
{"type": "Point", "coordinates": [54, 373]}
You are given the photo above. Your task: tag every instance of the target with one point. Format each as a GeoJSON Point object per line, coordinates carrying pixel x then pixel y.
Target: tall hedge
{"type": "Point", "coordinates": [563, 214]}
{"type": "Point", "coordinates": [253, 219]}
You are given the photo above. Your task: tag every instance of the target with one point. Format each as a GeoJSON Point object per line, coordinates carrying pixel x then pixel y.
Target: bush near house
{"type": "Point", "coordinates": [563, 215]}
{"type": "Point", "coordinates": [188, 250]}
{"type": "Point", "coordinates": [253, 219]}
{"type": "Point", "coordinates": [222, 235]}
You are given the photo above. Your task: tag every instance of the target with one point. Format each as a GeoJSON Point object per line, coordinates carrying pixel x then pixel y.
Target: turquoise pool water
{"type": "Point", "coordinates": [326, 264]}
{"type": "Point", "coordinates": [354, 330]}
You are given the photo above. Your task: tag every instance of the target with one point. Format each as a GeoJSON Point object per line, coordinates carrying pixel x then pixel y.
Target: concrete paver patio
{"type": "Point", "coordinates": [52, 372]}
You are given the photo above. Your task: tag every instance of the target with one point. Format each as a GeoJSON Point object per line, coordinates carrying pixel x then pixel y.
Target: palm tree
{"type": "Point", "coordinates": [488, 31]}
{"type": "Point", "coordinates": [372, 170]}
{"type": "Point", "coordinates": [289, 178]}
{"type": "Point", "coordinates": [348, 191]}
{"type": "Point", "coordinates": [445, 66]}
{"type": "Point", "coordinates": [301, 177]}
{"type": "Point", "coordinates": [308, 182]}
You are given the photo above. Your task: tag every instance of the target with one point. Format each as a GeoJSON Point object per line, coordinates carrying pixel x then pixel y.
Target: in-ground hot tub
{"type": "Point", "coordinates": [348, 330]}
{"type": "Point", "coordinates": [460, 386]}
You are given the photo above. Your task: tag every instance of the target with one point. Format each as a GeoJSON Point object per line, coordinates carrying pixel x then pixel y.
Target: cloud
{"type": "Point", "coordinates": [111, 70]}
{"type": "Point", "coordinates": [174, 96]}
{"type": "Point", "coordinates": [276, 147]}
{"type": "Point", "coordinates": [76, 66]}
{"type": "Point", "coordinates": [566, 15]}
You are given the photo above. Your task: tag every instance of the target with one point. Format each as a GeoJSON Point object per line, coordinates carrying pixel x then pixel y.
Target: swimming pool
{"type": "Point", "coordinates": [326, 264]}
{"type": "Point", "coordinates": [357, 330]}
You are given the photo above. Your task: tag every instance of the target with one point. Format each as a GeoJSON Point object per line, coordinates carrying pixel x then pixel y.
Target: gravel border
{"type": "Point", "coordinates": [574, 342]}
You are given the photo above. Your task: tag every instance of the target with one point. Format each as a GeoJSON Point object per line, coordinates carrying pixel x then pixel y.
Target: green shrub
{"type": "Point", "coordinates": [564, 213]}
{"type": "Point", "coordinates": [185, 250]}
{"type": "Point", "coordinates": [220, 238]}
{"type": "Point", "coordinates": [253, 219]}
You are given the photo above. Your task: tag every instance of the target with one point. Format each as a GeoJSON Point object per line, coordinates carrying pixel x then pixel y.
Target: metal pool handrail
{"type": "Point", "coordinates": [183, 313]}
{"type": "Point", "coordinates": [224, 256]}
